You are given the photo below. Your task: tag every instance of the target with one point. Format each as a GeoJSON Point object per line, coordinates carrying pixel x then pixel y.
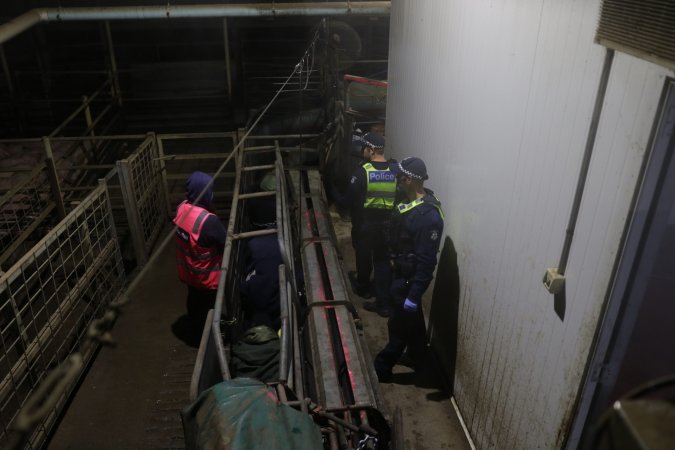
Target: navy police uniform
{"type": "Point", "coordinates": [370, 195]}
{"type": "Point", "coordinates": [416, 234]}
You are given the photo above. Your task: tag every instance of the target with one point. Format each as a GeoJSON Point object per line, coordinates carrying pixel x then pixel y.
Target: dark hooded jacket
{"type": "Point", "coordinates": [213, 232]}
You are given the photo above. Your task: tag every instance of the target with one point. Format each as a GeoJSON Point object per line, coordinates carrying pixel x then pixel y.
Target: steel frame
{"type": "Point", "coordinates": [48, 299]}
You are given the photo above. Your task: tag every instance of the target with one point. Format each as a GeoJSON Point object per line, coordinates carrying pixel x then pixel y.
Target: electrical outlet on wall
{"type": "Point", "coordinates": [553, 281]}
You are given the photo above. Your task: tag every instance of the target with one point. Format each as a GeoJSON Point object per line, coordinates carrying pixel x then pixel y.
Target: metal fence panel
{"type": "Point", "coordinates": [145, 196]}
{"type": "Point", "coordinates": [49, 297]}
{"type": "Point", "coordinates": [22, 209]}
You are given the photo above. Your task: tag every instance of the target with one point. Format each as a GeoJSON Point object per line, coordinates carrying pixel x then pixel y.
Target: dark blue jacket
{"type": "Point", "coordinates": [419, 233]}
{"type": "Point", "coordinates": [260, 292]}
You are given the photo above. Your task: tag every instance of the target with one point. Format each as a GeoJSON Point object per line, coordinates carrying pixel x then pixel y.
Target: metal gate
{"type": "Point", "coordinates": [49, 298]}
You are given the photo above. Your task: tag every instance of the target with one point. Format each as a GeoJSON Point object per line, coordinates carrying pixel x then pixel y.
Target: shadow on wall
{"type": "Point", "coordinates": [444, 312]}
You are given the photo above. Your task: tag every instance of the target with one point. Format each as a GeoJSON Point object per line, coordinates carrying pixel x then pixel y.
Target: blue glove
{"type": "Point", "coordinates": [409, 305]}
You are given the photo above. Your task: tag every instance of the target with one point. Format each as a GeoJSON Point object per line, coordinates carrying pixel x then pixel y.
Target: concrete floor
{"type": "Point", "coordinates": [132, 394]}
{"type": "Point", "coordinates": [429, 419]}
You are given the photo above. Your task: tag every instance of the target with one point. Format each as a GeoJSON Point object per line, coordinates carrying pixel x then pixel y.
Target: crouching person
{"type": "Point", "coordinates": [259, 292]}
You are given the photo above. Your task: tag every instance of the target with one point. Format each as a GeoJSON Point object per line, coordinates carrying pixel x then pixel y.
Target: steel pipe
{"type": "Point", "coordinates": [20, 24]}
{"type": "Point", "coordinates": [34, 16]}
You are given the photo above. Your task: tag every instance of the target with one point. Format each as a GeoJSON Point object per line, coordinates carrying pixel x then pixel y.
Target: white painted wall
{"type": "Point", "coordinates": [496, 97]}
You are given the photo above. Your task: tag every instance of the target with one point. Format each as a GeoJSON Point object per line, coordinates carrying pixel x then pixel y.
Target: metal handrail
{"type": "Point", "coordinates": [81, 108]}
{"type": "Point", "coordinates": [224, 268]}
{"type": "Point", "coordinates": [285, 326]}
{"type": "Point", "coordinates": [31, 18]}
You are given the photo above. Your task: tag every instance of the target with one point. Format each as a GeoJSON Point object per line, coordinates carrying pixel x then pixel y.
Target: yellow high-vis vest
{"type": "Point", "coordinates": [381, 188]}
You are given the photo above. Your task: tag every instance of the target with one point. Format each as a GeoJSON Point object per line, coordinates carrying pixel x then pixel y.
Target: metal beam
{"type": "Point", "coordinates": [27, 20]}
{"type": "Point", "coordinates": [228, 69]}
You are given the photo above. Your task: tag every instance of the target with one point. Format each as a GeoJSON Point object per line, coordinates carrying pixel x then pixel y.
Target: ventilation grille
{"type": "Point", "coordinates": [644, 28]}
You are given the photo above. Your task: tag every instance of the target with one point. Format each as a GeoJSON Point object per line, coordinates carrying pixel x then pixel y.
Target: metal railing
{"type": "Point", "coordinates": [290, 370]}
{"type": "Point", "coordinates": [212, 362]}
{"type": "Point", "coordinates": [23, 209]}
{"type": "Point", "coordinates": [47, 301]}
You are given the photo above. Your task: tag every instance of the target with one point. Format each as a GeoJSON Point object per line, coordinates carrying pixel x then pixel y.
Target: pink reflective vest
{"type": "Point", "coordinates": [198, 266]}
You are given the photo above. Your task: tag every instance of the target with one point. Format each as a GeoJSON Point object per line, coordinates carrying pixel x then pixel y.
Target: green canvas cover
{"type": "Point", "coordinates": [256, 355]}
{"type": "Point", "coordinates": [244, 414]}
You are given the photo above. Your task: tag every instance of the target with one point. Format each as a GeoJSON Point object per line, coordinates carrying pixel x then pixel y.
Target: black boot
{"type": "Point", "coordinates": [361, 291]}
{"type": "Point", "coordinates": [383, 311]}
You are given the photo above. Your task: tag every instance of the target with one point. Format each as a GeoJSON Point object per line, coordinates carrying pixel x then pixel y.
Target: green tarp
{"type": "Point", "coordinates": [256, 355]}
{"type": "Point", "coordinates": [244, 414]}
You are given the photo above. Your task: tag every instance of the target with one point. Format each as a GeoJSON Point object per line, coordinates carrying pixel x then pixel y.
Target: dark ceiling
{"type": "Point", "coordinates": [172, 73]}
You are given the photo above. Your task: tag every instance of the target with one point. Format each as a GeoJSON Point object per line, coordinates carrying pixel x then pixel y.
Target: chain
{"type": "Point", "coordinates": [363, 442]}
{"type": "Point", "coordinates": [53, 387]}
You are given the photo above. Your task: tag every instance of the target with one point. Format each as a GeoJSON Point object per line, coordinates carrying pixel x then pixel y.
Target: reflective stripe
{"type": "Point", "coordinates": [384, 194]}
{"type": "Point", "coordinates": [198, 222]}
{"type": "Point", "coordinates": [405, 207]}
{"type": "Point", "coordinates": [380, 188]}
{"type": "Point", "coordinates": [189, 268]}
{"type": "Point", "coordinates": [191, 254]}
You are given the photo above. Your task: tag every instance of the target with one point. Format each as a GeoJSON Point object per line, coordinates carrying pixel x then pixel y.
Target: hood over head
{"type": "Point", "coordinates": [195, 185]}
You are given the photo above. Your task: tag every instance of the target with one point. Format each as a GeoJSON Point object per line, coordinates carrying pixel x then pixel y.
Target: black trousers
{"type": "Point", "coordinates": [405, 329]}
{"type": "Point", "coordinates": [198, 303]}
{"type": "Point", "coordinates": [372, 256]}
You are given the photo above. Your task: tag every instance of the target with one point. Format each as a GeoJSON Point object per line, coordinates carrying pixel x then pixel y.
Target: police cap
{"type": "Point", "coordinates": [372, 140]}
{"type": "Point", "coordinates": [412, 167]}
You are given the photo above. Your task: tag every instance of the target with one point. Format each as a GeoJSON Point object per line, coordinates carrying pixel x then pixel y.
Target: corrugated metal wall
{"type": "Point", "coordinates": [497, 98]}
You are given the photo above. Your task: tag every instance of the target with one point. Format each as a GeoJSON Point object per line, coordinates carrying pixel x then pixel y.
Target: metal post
{"type": "Point", "coordinates": [159, 143]}
{"type": "Point", "coordinates": [113, 228]}
{"type": "Point", "coordinates": [131, 209]}
{"type": "Point", "coordinates": [18, 112]}
{"type": "Point", "coordinates": [87, 114]}
{"type": "Point", "coordinates": [89, 122]}
{"type": "Point", "coordinates": [117, 93]}
{"type": "Point", "coordinates": [5, 69]}
{"type": "Point", "coordinates": [241, 132]}
{"type": "Point", "coordinates": [228, 69]}
{"type": "Point", "coordinates": [53, 178]}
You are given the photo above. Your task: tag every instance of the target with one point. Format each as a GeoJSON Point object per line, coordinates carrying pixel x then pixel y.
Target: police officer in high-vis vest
{"type": "Point", "coordinates": [200, 238]}
{"type": "Point", "coordinates": [416, 234]}
{"type": "Point", "coordinates": [370, 196]}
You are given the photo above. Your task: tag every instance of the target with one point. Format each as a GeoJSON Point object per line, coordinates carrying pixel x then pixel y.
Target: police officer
{"type": "Point", "coordinates": [370, 195]}
{"type": "Point", "coordinates": [416, 233]}
{"type": "Point", "coordinates": [199, 238]}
